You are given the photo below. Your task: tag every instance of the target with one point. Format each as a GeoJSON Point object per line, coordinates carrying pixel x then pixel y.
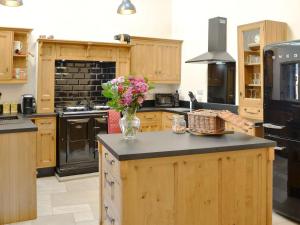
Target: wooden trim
{"type": "Point", "coordinates": [58, 41]}
{"type": "Point", "coordinates": [25, 30]}
{"type": "Point", "coordinates": [154, 39]}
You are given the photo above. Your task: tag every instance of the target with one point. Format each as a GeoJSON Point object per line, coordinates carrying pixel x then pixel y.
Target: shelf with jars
{"type": "Point", "coordinates": [14, 48]}
{"type": "Point", "coordinates": [251, 41]}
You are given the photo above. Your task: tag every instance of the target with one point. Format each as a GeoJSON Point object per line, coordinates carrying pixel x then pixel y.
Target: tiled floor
{"type": "Point", "coordinates": [76, 202]}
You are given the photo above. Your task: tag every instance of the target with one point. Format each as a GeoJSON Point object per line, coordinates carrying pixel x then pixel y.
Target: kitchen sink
{"type": "Point", "coordinates": [9, 120]}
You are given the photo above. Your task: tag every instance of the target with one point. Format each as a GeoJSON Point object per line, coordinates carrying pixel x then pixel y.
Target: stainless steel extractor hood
{"type": "Point", "coordinates": [217, 40]}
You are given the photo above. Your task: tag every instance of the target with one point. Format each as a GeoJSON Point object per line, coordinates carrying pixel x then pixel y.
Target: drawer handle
{"type": "Point", "coordinates": [111, 162]}
{"type": "Point", "coordinates": [45, 123]}
{"type": "Point", "coordinates": [110, 218]}
{"type": "Point", "coordinates": [111, 183]}
{"type": "Point", "coordinates": [250, 112]}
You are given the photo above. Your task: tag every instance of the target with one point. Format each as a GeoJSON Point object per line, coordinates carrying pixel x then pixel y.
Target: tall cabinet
{"type": "Point", "coordinates": [252, 39]}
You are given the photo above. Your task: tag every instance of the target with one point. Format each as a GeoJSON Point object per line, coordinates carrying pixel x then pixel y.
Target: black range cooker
{"type": "Point", "coordinates": [77, 128]}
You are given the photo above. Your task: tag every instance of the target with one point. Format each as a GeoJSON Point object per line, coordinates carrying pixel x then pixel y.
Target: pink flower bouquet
{"type": "Point", "coordinates": [126, 93]}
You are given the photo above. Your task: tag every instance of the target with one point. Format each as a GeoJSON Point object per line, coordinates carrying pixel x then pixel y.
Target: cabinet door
{"type": "Point", "coordinates": [123, 62]}
{"type": "Point", "coordinates": [168, 60]}
{"type": "Point", "coordinates": [45, 95]}
{"type": "Point", "coordinates": [46, 143]}
{"type": "Point", "coordinates": [142, 60]}
{"type": "Point", "coordinates": [6, 38]}
{"type": "Point", "coordinates": [167, 120]}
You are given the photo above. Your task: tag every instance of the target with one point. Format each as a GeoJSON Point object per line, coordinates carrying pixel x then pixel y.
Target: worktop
{"type": "Point", "coordinates": [167, 143]}
{"type": "Point", "coordinates": [21, 124]}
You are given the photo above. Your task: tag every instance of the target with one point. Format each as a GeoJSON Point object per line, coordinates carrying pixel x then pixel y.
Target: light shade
{"type": "Point", "coordinates": [11, 3]}
{"type": "Point", "coordinates": [126, 8]}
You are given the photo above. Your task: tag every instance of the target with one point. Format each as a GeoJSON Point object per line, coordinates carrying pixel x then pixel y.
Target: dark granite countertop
{"type": "Point", "coordinates": [167, 143]}
{"type": "Point", "coordinates": [178, 110]}
{"type": "Point", "coordinates": [21, 124]}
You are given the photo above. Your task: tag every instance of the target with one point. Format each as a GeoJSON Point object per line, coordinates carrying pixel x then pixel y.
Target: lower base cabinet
{"type": "Point", "coordinates": [46, 142]}
{"type": "Point", "coordinates": [155, 121]}
{"type": "Point", "coordinates": [232, 187]}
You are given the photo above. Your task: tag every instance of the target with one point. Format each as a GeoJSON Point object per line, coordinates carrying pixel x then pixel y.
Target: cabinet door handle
{"type": "Point", "coordinates": [6, 70]}
{"type": "Point", "coordinates": [45, 123]}
{"type": "Point", "coordinates": [111, 162]}
{"type": "Point", "coordinates": [111, 183]}
{"type": "Point", "coordinates": [110, 218]}
{"type": "Point", "coordinates": [250, 112]}
{"type": "Point", "coordinates": [241, 94]}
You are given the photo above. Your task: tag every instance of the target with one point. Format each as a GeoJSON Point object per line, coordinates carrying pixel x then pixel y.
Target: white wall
{"type": "Point", "coordinates": [190, 23]}
{"type": "Point", "coordinates": [91, 20]}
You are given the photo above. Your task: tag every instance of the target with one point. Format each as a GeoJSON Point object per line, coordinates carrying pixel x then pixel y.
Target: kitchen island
{"type": "Point", "coordinates": [165, 178]}
{"type": "Point", "coordinates": [17, 169]}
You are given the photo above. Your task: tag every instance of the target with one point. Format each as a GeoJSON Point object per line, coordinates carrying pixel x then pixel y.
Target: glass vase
{"type": "Point", "coordinates": [129, 124]}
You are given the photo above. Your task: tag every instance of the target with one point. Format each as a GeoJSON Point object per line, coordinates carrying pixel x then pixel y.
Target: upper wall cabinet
{"type": "Point", "coordinates": [14, 55]}
{"type": "Point", "coordinates": [252, 39]}
{"type": "Point", "coordinates": [157, 59]}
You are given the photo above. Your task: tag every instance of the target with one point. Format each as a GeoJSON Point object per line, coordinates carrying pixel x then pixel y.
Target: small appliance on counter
{"type": "Point", "coordinates": [167, 100]}
{"type": "Point", "coordinates": [28, 104]}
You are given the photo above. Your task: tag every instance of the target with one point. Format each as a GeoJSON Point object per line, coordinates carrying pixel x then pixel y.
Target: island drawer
{"type": "Point", "coordinates": [110, 164]}
{"type": "Point", "coordinates": [45, 123]}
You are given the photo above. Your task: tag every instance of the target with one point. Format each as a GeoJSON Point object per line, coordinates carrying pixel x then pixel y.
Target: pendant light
{"type": "Point", "coordinates": [126, 8]}
{"type": "Point", "coordinates": [11, 3]}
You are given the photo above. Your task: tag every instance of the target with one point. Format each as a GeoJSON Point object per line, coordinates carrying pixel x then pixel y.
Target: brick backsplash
{"type": "Point", "coordinates": [81, 81]}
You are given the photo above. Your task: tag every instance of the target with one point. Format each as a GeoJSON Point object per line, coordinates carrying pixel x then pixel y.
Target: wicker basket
{"type": "Point", "coordinates": [206, 122]}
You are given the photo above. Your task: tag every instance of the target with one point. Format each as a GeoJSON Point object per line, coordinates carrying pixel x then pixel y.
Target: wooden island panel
{"type": "Point", "coordinates": [233, 187]}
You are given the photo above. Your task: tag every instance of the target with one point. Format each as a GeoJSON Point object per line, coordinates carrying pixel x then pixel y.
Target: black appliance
{"type": "Point", "coordinates": [77, 149]}
{"type": "Point", "coordinates": [221, 83]}
{"type": "Point", "coordinates": [282, 123]}
{"type": "Point", "coordinates": [28, 104]}
{"type": "Point", "coordinates": [167, 100]}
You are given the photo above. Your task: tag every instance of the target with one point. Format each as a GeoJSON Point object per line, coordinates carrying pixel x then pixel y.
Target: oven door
{"type": "Point", "coordinates": [79, 140]}
{"type": "Point", "coordinates": [286, 177]}
{"type": "Point", "coordinates": [100, 127]}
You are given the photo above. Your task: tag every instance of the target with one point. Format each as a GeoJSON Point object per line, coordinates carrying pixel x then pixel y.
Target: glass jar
{"type": "Point", "coordinates": [179, 124]}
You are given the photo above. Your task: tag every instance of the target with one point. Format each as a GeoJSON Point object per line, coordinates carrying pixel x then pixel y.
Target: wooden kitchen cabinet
{"type": "Point", "coordinates": [46, 142]}
{"type": "Point", "coordinates": [157, 59]}
{"type": "Point", "coordinates": [252, 39]}
{"type": "Point", "coordinates": [14, 67]}
{"type": "Point", "coordinates": [6, 51]}
{"type": "Point", "coordinates": [167, 120]}
{"type": "Point", "coordinates": [150, 121]}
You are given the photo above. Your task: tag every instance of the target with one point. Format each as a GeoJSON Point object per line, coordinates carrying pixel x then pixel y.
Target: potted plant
{"type": "Point", "coordinates": [126, 95]}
